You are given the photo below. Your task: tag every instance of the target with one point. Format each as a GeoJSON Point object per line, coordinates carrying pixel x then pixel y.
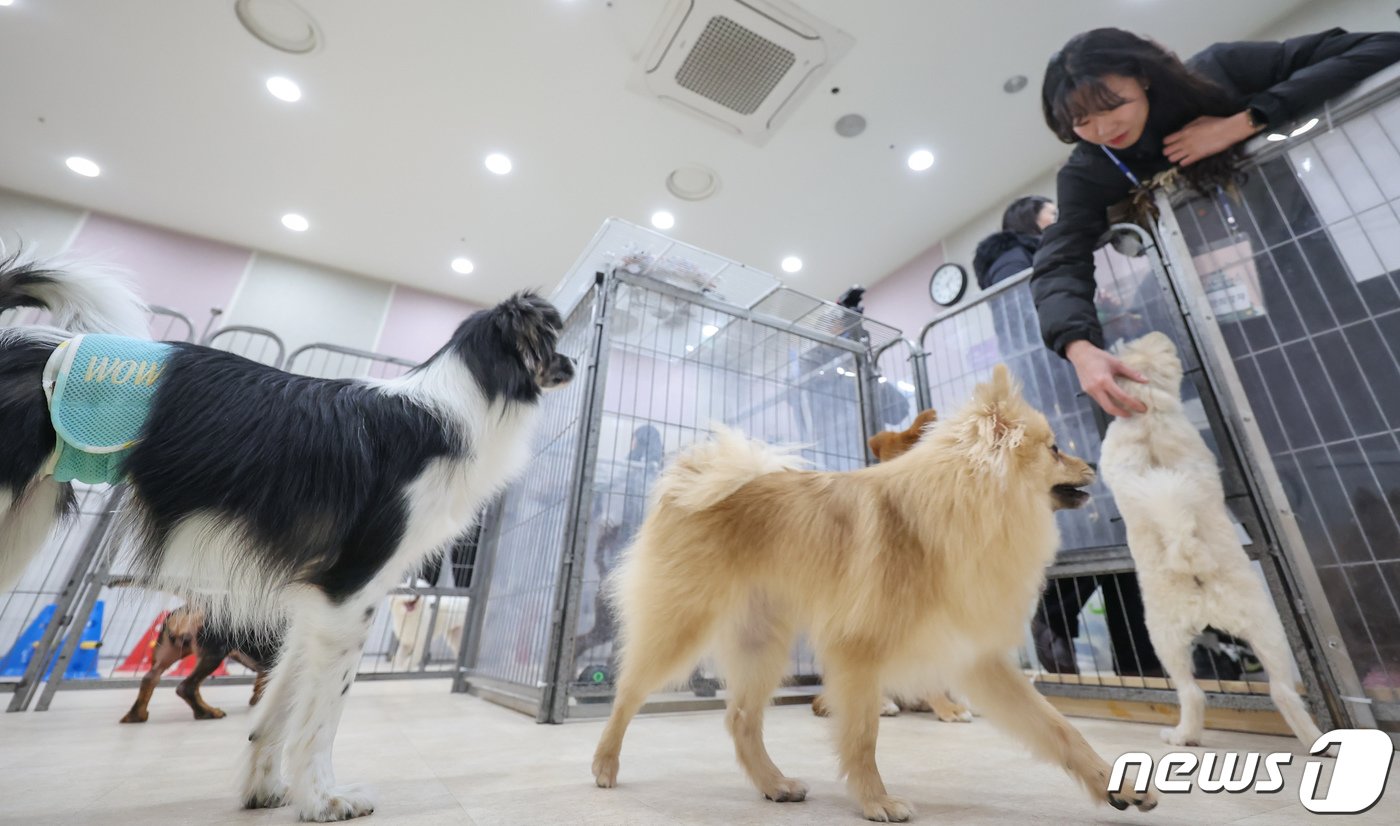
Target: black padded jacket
{"type": "Point", "coordinates": [1281, 80]}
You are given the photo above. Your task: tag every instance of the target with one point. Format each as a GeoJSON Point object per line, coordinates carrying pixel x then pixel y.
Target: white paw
{"type": "Point", "coordinates": [1181, 737]}
{"type": "Point", "coordinates": [262, 784]}
{"type": "Point", "coordinates": [342, 803]}
{"type": "Point", "coordinates": [269, 793]}
{"type": "Point", "coordinates": [890, 709]}
{"type": "Point", "coordinates": [787, 790]}
{"type": "Point", "coordinates": [887, 809]}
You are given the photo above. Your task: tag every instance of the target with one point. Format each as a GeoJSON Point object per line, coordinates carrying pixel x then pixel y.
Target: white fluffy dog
{"type": "Point", "coordinates": [1190, 564]}
{"type": "Point", "coordinates": [412, 618]}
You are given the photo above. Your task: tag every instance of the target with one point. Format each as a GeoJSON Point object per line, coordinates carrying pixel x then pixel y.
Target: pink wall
{"type": "Point", "coordinates": [901, 298]}
{"type": "Point", "coordinates": [178, 271]}
{"type": "Point", "coordinates": [419, 323]}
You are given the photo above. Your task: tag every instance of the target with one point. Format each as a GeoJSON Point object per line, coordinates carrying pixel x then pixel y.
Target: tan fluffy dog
{"type": "Point", "coordinates": [910, 574]}
{"type": "Point", "coordinates": [887, 445]}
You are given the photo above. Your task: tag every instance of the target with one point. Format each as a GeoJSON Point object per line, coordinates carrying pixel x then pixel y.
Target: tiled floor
{"type": "Point", "coordinates": [438, 758]}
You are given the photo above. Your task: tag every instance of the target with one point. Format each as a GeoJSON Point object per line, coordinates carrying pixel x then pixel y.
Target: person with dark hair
{"type": "Point", "coordinates": [1133, 109]}
{"type": "Point", "coordinates": [1004, 254]}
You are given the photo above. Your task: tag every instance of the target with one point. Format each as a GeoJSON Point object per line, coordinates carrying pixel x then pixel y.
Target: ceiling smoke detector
{"type": "Point", "coordinates": [742, 65]}
{"type": "Point", "coordinates": [692, 182]}
{"type": "Point", "coordinates": [1014, 84]}
{"type": "Point", "coordinates": [281, 24]}
{"type": "Point", "coordinates": [848, 126]}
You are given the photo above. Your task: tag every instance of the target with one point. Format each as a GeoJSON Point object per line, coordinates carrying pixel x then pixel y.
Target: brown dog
{"type": "Point", "coordinates": [184, 634]}
{"type": "Point", "coordinates": [909, 574]}
{"type": "Point", "coordinates": [886, 445]}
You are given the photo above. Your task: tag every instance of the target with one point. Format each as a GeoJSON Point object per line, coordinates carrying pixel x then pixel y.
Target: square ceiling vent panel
{"type": "Point", "coordinates": [742, 65]}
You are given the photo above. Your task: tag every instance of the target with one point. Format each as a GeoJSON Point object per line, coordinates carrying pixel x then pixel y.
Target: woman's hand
{"type": "Point", "coordinates": [1206, 136]}
{"type": "Point", "coordinates": [1096, 370]}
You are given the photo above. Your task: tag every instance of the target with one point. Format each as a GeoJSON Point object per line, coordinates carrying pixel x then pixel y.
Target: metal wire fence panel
{"type": "Point", "coordinates": [330, 361]}
{"type": "Point", "coordinates": [1302, 270]}
{"type": "Point", "coordinates": [165, 324]}
{"type": "Point", "coordinates": [256, 343]}
{"type": "Point", "coordinates": [897, 374]}
{"type": "Point", "coordinates": [674, 368]}
{"type": "Point", "coordinates": [170, 325]}
{"type": "Point", "coordinates": [532, 530]}
{"type": "Point", "coordinates": [28, 610]}
{"type": "Point", "coordinates": [1088, 630]}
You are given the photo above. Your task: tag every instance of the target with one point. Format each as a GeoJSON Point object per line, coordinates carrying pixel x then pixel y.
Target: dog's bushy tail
{"type": "Point", "coordinates": [707, 473]}
{"type": "Point", "coordinates": [82, 298]}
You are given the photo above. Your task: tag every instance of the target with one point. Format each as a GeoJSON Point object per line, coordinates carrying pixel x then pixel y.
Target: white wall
{"type": "Point", "coordinates": [1320, 15]}
{"type": "Point", "coordinates": [42, 226]}
{"type": "Point", "coordinates": [306, 303]}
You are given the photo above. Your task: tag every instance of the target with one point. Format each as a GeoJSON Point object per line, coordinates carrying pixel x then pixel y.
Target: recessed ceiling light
{"type": "Point", "coordinates": [663, 219]}
{"type": "Point", "coordinates": [1276, 137]}
{"type": "Point", "coordinates": [920, 159]}
{"type": "Point", "coordinates": [462, 266]}
{"type": "Point", "coordinates": [690, 348]}
{"type": "Point", "coordinates": [708, 330]}
{"type": "Point", "coordinates": [498, 163]}
{"type": "Point", "coordinates": [284, 89]}
{"type": "Point", "coordinates": [792, 264]}
{"type": "Point", "coordinates": [84, 167]}
{"type": "Point", "coordinates": [1014, 84]}
{"type": "Point", "coordinates": [295, 222]}
{"type": "Point", "coordinates": [6, 2]}
{"type": "Point", "coordinates": [1304, 128]}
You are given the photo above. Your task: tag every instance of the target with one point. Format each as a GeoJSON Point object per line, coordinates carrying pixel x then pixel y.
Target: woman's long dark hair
{"type": "Point", "coordinates": [1023, 214]}
{"type": "Point", "coordinates": [1074, 89]}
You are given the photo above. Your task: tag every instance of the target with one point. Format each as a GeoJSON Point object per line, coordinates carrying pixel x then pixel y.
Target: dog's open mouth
{"type": "Point", "coordinates": [1069, 497]}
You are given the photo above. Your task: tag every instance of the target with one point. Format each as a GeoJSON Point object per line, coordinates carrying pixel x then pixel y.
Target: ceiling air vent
{"type": "Point", "coordinates": [742, 65]}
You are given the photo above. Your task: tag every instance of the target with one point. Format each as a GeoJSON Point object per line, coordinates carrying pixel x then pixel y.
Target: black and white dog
{"type": "Point", "coordinates": [269, 495]}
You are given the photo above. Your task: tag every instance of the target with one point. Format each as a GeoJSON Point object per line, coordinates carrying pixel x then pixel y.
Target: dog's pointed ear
{"type": "Point", "coordinates": [998, 415]}
{"type": "Point", "coordinates": [925, 418]}
{"type": "Point", "coordinates": [877, 443]}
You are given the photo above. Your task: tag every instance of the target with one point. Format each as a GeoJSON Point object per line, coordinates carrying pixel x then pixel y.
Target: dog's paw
{"type": "Point", "coordinates": [889, 709]}
{"type": "Point", "coordinates": [1127, 796]}
{"type": "Point", "coordinates": [605, 771]}
{"type": "Point", "coordinates": [1181, 737]}
{"type": "Point", "coordinates": [268, 795]}
{"type": "Point", "coordinates": [209, 713]}
{"type": "Point", "coordinates": [950, 711]}
{"type": "Point", "coordinates": [787, 790]}
{"type": "Point", "coordinates": [343, 803]}
{"type": "Point", "coordinates": [135, 716]}
{"type": "Point", "coordinates": [887, 809]}
{"type": "Point", "coordinates": [819, 706]}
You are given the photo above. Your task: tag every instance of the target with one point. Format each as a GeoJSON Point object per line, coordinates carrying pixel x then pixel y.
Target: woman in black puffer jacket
{"type": "Point", "coordinates": [1011, 251]}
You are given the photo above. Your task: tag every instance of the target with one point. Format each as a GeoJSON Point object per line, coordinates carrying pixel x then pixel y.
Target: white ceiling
{"type": "Point", "coordinates": [402, 102]}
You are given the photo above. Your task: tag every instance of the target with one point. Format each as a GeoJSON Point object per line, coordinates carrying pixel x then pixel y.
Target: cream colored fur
{"type": "Point", "coordinates": [915, 573]}
{"type": "Point", "coordinates": [1190, 565]}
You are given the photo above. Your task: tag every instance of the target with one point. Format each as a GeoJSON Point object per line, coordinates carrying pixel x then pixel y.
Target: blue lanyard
{"type": "Point", "coordinates": [1121, 166]}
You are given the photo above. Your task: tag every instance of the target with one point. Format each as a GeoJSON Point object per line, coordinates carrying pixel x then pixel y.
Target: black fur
{"type": "Point", "coordinates": [508, 354]}
{"type": "Point", "coordinates": [26, 433]}
{"type": "Point", "coordinates": [17, 279]}
{"type": "Point", "coordinates": [312, 469]}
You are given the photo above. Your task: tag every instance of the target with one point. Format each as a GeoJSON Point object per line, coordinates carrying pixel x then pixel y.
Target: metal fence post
{"type": "Point", "coordinates": [565, 615]}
